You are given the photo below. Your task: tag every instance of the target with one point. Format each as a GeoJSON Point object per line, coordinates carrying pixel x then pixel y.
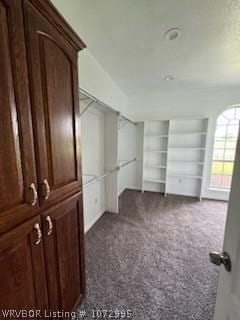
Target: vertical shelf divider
{"type": "Point", "coordinates": [167, 161]}
{"type": "Point", "coordinates": [111, 162]}
{"type": "Point", "coordinates": [143, 155]}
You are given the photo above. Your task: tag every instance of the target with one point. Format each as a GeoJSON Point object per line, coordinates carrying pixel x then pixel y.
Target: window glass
{"type": "Point", "coordinates": [225, 148]}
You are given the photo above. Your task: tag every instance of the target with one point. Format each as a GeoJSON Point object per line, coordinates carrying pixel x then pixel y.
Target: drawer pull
{"type": "Point", "coordinates": [34, 195]}
{"type": "Point", "coordinates": [46, 189]}
{"type": "Point", "coordinates": [50, 225]}
{"type": "Point", "coordinates": [39, 234]}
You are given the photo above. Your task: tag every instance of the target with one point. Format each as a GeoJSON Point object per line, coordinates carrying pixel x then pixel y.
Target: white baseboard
{"type": "Point", "coordinates": [121, 191]}
{"type": "Point", "coordinates": [89, 225]}
{"type": "Point", "coordinates": [129, 188]}
{"type": "Point", "coordinates": [134, 188]}
{"type": "Point", "coordinates": [216, 195]}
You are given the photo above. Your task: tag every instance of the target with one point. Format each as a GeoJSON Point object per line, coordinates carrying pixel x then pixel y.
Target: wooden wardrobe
{"type": "Point", "coordinates": [41, 211]}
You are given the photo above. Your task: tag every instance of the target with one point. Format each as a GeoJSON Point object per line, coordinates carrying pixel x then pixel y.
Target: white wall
{"type": "Point", "coordinates": [93, 163]}
{"type": "Point", "coordinates": [92, 76]}
{"type": "Point", "coordinates": [192, 104]}
{"type": "Point", "coordinates": [99, 154]}
{"type": "Point", "coordinates": [205, 103]}
{"type": "Point", "coordinates": [127, 150]}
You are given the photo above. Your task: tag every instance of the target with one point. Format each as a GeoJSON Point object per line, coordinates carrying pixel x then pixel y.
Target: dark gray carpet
{"type": "Point", "coordinates": [152, 258]}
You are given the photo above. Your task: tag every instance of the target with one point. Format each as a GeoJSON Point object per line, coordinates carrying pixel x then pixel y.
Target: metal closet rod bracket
{"type": "Point", "coordinates": [103, 105]}
{"type": "Point", "coordinates": [99, 178]}
{"type": "Point", "coordinates": [126, 119]}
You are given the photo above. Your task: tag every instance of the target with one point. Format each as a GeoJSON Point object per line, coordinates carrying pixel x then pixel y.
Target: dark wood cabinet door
{"type": "Point", "coordinates": [64, 254]}
{"type": "Point", "coordinates": [17, 166]}
{"type": "Point", "coordinates": [54, 92]}
{"type": "Point", "coordinates": [22, 273]}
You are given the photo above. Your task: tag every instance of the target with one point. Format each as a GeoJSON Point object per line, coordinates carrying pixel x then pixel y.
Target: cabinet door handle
{"type": "Point", "coordinates": [50, 225]}
{"type": "Point", "coordinates": [46, 189]}
{"type": "Point", "coordinates": [39, 233]}
{"type": "Point", "coordinates": [34, 195]}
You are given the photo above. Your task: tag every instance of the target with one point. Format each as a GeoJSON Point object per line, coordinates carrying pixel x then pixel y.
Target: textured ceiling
{"type": "Point", "coordinates": [127, 38]}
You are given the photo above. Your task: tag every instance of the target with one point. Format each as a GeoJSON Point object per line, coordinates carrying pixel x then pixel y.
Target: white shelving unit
{"type": "Point", "coordinates": [155, 154]}
{"type": "Point", "coordinates": [174, 156]}
{"type": "Point", "coordinates": [165, 156]}
{"type": "Point", "coordinates": [186, 157]}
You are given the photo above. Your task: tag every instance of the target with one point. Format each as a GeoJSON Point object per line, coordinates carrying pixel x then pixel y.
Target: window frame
{"type": "Point", "coordinates": [225, 139]}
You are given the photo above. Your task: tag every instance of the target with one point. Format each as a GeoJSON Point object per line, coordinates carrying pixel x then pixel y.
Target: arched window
{"type": "Point", "coordinates": [226, 136]}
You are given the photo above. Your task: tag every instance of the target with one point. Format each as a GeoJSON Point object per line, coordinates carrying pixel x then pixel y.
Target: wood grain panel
{"type": "Point", "coordinates": [22, 276]}
{"type": "Point", "coordinates": [11, 178]}
{"type": "Point", "coordinates": [64, 252]}
{"type": "Point", "coordinates": [59, 114]}
{"type": "Point", "coordinates": [17, 164]}
{"type": "Point", "coordinates": [54, 91]}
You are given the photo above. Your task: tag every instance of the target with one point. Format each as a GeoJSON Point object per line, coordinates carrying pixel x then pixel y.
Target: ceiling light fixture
{"type": "Point", "coordinates": [169, 77]}
{"type": "Point", "coordinates": [173, 34]}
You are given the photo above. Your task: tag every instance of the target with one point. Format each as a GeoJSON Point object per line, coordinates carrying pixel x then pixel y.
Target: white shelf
{"type": "Point", "coordinates": [184, 176]}
{"type": "Point", "coordinates": [157, 151]}
{"type": "Point", "coordinates": [188, 162]}
{"type": "Point", "coordinates": [156, 136]}
{"type": "Point", "coordinates": [155, 167]}
{"type": "Point", "coordinates": [154, 180]}
{"type": "Point", "coordinates": [189, 133]}
{"type": "Point", "coordinates": [187, 148]}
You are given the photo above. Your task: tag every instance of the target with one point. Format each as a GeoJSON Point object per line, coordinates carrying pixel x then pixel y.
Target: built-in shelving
{"type": "Point", "coordinates": [189, 133]}
{"type": "Point", "coordinates": [158, 151]}
{"type": "Point", "coordinates": [157, 136]}
{"type": "Point", "coordinates": [174, 156]}
{"type": "Point", "coordinates": [156, 166]}
{"type": "Point", "coordinates": [184, 176]}
{"type": "Point", "coordinates": [155, 155]}
{"type": "Point", "coordinates": [188, 148]}
{"type": "Point", "coordinates": [188, 162]}
{"type": "Point", "coordinates": [154, 180]}
{"type": "Point", "coordinates": [186, 156]}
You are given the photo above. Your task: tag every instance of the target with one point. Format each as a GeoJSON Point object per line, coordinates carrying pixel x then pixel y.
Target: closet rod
{"type": "Point", "coordinates": [127, 163]}
{"type": "Point", "coordinates": [95, 179]}
{"type": "Point", "coordinates": [126, 119]}
{"type": "Point", "coordinates": [91, 180]}
{"type": "Point", "coordinates": [100, 177]}
{"type": "Point", "coordinates": [98, 102]}
{"type": "Point", "coordinates": [102, 104]}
